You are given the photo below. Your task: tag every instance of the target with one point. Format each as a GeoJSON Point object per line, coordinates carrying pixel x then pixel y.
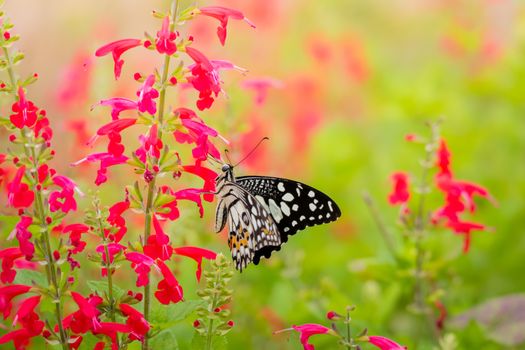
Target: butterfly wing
{"type": "Point", "coordinates": [252, 229]}
{"type": "Point", "coordinates": [293, 205]}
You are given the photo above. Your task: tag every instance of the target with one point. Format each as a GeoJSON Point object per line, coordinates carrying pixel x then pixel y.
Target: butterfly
{"type": "Point", "coordinates": [262, 211]}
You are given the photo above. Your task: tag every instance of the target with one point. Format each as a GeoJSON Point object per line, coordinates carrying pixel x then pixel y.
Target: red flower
{"type": "Point", "coordinates": [7, 293]}
{"type": "Point", "coordinates": [106, 160]}
{"type": "Point", "coordinates": [43, 129]}
{"type": "Point", "coordinates": [307, 330]}
{"type": "Point", "coordinates": [28, 317]}
{"type": "Point", "coordinates": [117, 48]}
{"type": "Point", "coordinates": [23, 235]}
{"type": "Point", "coordinates": [169, 289]}
{"type": "Point", "coordinates": [384, 343]}
{"type": "Point", "coordinates": [115, 219]}
{"type": "Point", "coordinates": [63, 200]}
{"type": "Point", "coordinates": [112, 130]}
{"type": "Point", "coordinates": [86, 318]}
{"type": "Point", "coordinates": [458, 197]}
{"type": "Point", "coordinates": [110, 329]}
{"type": "Point", "coordinates": [75, 234]}
{"type": "Point", "coordinates": [137, 323]}
{"type": "Point", "coordinates": [165, 42]}
{"type": "Point", "coordinates": [151, 144]}
{"type": "Point", "coordinates": [20, 338]}
{"type": "Point", "coordinates": [223, 14]}
{"type": "Point", "coordinates": [118, 105]}
{"type": "Point", "coordinates": [196, 254]}
{"type": "Point", "coordinates": [170, 210]}
{"type": "Point", "coordinates": [146, 95]}
{"type": "Point", "coordinates": [8, 257]}
{"type": "Point", "coordinates": [332, 315]}
{"type": "Point", "coordinates": [205, 79]}
{"type": "Point", "coordinates": [197, 132]}
{"type": "Point", "coordinates": [25, 112]}
{"type": "Point", "coordinates": [400, 194]}
{"type": "Point", "coordinates": [207, 175]}
{"type": "Point", "coordinates": [142, 265]}
{"type": "Point", "coordinates": [19, 194]}
{"type": "Point", "coordinates": [158, 245]}
{"type": "Point", "coordinates": [113, 249]}
{"type": "Point", "coordinates": [261, 86]}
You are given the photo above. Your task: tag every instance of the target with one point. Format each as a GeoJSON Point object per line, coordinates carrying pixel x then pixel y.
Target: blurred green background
{"type": "Point", "coordinates": [358, 76]}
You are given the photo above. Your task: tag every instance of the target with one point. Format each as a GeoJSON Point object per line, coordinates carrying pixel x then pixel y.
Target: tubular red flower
{"type": "Point", "coordinates": [106, 160]}
{"type": "Point", "coordinates": [116, 219]}
{"type": "Point", "coordinates": [7, 293]}
{"type": "Point", "coordinates": [169, 289]}
{"type": "Point", "coordinates": [306, 331]}
{"type": "Point", "coordinates": [118, 105]}
{"type": "Point", "coordinates": [64, 199]}
{"type": "Point", "coordinates": [384, 343]}
{"type": "Point", "coordinates": [25, 112]}
{"type": "Point", "coordinates": [86, 318]}
{"type": "Point", "coordinates": [207, 175]}
{"type": "Point", "coordinates": [223, 14]}
{"type": "Point", "coordinates": [146, 95]}
{"type": "Point", "coordinates": [205, 79]}
{"type": "Point", "coordinates": [28, 318]}
{"type": "Point", "coordinates": [142, 265]}
{"type": "Point", "coordinates": [158, 245]}
{"type": "Point", "coordinates": [75, 232]}
{"type": "Point", "coordinates": [150, 144]}
{"type": "Point", "coordinates": [8, 257]}
{"type": "Point", "coordinates": [19, 194]}
{"type": "Point", "coordinates": [165, 42]}
{"type": "Point", "coordinates": [117, 48]}
{"type": "Point", "coordinates": [23, 236]}
{"type": "Point", "coordinates": [196, 254]}
{"type": "Point", "coordinates": [20, 338]}
{"type": "Point", "coordinates": [138, 325]}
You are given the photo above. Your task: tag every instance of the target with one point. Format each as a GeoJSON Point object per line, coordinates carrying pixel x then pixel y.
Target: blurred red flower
{"type": "Point", "coordinates": [8, 257]}
{"type": "Point", "coordinates": [400, 194]}
{"type": "Point", "coordinates": [384, 343]}
{"type": "Point", "coordinates": [223, 14]}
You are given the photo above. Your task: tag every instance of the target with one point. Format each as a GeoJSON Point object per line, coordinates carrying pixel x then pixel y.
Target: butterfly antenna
{"type": "Point", "coordinates": [253, 150]}
{"type": "Point", "coordinates": [227, 154]}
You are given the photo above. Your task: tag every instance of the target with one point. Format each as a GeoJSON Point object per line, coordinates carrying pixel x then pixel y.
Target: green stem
{"type": "Point", "coordinates": [151, 185]}
{"type": "Point", "coordinates": [51, 268]}
{"type": "Point", "coordinates": [213, 305]}
{"type": "Point", "coordinates": [348, 331]}
{"type": "Point", "coordinates": [10, 70]}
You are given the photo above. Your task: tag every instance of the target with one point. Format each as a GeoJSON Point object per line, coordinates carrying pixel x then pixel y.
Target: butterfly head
{"type": "Point", "coordinates": [227, 173]}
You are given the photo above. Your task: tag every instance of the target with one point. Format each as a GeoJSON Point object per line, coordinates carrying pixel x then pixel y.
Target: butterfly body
{"type": "Point", "coordinates": [261, 212]}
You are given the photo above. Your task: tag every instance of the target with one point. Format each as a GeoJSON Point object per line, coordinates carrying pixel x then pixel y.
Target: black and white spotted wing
{"type": "Point", "coordinates": [293, 205]}
{"type": "Point", "coordinates": [251, 227]}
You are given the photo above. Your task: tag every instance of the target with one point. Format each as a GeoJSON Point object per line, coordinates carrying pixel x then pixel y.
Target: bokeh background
{"type": "Point", "coordinates": [357, 76]}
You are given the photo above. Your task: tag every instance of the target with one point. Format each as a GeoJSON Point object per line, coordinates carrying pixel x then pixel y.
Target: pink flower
{"type": "Point", "coordinates": [106, 160]}
{"type": "Point", "coordinates": [151, 144]}
{"type": "Point", "coordinates": [261, 86]}
{"type": "Point", "coordinates": [117, 48]}
{"type": "Point", "coordinates": [113, 250]}
{"type": "Point", "coordinates": [118, 105]}
{"type": "Point", "coordinates": [169, 289]}
{"type": "Point", "coordinates": [23, 236]}
{"type": "Point", "coordinates": [142, 265]}
{"type": "Point", "coordinates": [196, 254]}
{"type": "Point", "coordinates": [136, 322]}
{"type": "Point", "coordinates": [7, 293]}
{"type": "Point", "coordinates": [384, 343]}
{"type": "Point", "coordinates": [64, 199]}
{"type": "Point", "coordinates": [165, 42]}
{"type": "Point", "coordinates": [146, 95]}
{"type": "Point", "coordinates": [400, 194]}
{"type": "Point", "coordinates": [197, 132]}
{"type": "Point", "coordinates": [8, 257]}
{"type": "Point", "coordinates": [25, 112]}
{"type": "Point", "coordinates": [158, 245]}
{"type": "Point", "coordinates": [223, 14]}
{"type": "Point", "coordinates": [19, 194]}
{"type": "Point", "coordinates": [307, 330]}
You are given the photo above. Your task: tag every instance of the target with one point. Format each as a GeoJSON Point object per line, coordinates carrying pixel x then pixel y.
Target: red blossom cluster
{"type": "Point", "coordinates": [458, 195]}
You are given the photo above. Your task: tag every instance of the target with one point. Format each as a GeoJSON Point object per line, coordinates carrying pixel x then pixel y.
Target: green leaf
{"type": "Point", "coordinates": [165, 339]}
{"type": "Point", "coordinates": [101, 287]}
{"type": "Point", "coordinates": [30, 277]}
{"type": "Point", "coordinates": [199, 342]}
{"type": "Point", "coordinates": [166, 316]}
